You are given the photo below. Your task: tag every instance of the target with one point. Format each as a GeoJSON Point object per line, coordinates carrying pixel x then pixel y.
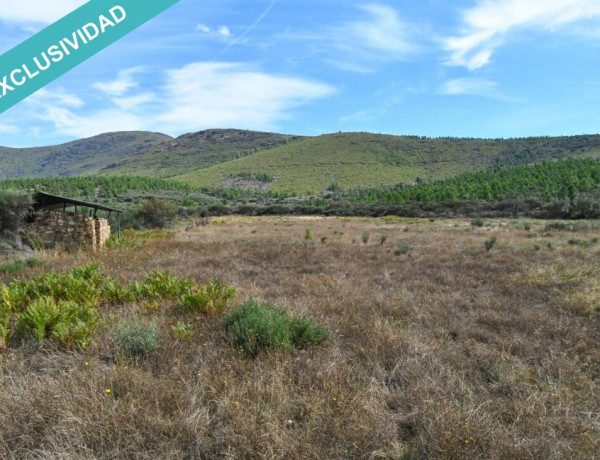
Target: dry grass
{"type": "Point", "coordinates": [447, 351]}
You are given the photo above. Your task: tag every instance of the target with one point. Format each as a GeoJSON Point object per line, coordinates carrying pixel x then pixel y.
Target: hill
{"type": "Point", "coordinates": [196, 150]}
{"type": "Point", "coordinates": [77, 158]}
{"type": "Point", "coordinates": [353, 160]}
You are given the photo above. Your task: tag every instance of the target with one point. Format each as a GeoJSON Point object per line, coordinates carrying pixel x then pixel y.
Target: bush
{"type": "Point", "coordinates": [157, 213]}
{"type": "Point", "coordinates": [477, 222]}
{"type": "Point", "coordinates": [160, 285]}
{"type": "Point", "coordinates": [382, 239]}
{"type": "Point", "coordinates": [137, 339]}
{"type": "Point", "coordinates": [212, 298]}
{"type": "Point", "coordinates": [401, 248]}
{"type": "Point", "coordinates": [490, 242]}
{"type": "Point", "coordinates": [305, 334]}
{"type": "Point", "coordinates": [365, 237]}
{"type": "Point", "coordinates": [308, 235]}
{"type": "Point", "coordinates": [14, 208]}
{"type": "Point", "coordinates": [183, 331]}
{"type": "Point", "coordinates": [69, 323]}
{"type": "Point", "coordinates": [257, 327]}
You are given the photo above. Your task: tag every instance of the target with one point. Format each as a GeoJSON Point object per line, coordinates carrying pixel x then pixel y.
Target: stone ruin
{"type": "Point", "coordinates": [69, 230]}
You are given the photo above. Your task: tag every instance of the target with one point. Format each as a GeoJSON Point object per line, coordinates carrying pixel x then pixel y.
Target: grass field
{"type": "Point", "coordinates": [449, 339]}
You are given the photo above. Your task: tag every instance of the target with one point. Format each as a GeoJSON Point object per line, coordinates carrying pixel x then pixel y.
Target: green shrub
{"type": "Point", "coordinates": [365, 237]}
{"type": "Point", "coordinates": [477, 222]}
{"type": "Point", "coordinates": [257, 327]}
{"type": "Point", "coordinates": [308, 235]}
{"type": "Point", "coordinates": [183, 331]}
{"type": "Point", "coordinates": [69, 323]}
{"type": "Point", "coordinates": [382, 239]}
{"type": "Point", "coordinates": [137, 339]}
{"type": "Point", "coordinates": [401, 248]}
{"type": "Point", "coordinates": [490, 242]}
{"type": "Point", "coordinates": [212, 298]}
{"type": "Point", "coordinates": [306, 334]}
{"type": "Point", "coordinates": [159, 285]}
{"type": "Point", "coordinates": [14, 208]}
{"type": "Point", "coordinates": [157, 213]}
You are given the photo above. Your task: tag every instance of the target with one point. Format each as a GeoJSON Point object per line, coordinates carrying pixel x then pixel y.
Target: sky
{"type": "Point", "coordinates": [461, 68]}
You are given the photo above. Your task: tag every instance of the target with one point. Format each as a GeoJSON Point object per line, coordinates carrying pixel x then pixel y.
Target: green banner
{"type": "Point", "coordinates": [57, 49]}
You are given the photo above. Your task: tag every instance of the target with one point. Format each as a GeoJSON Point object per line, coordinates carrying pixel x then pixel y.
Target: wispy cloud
{"type": "Point", "coordinates": [41, 11]}
{"type": "Point", "coordinates": [9, 129]}
{"type": "Point", "coordinates": [380, 35]}
{"type": "Point", "coordinates": [471, 87]}
{"type": "Point", "coordinates": [122, 84]}
{"type": "Point", "coordinates": [193, 97]}
{"type": "Point", "coordinates": [489, 24]}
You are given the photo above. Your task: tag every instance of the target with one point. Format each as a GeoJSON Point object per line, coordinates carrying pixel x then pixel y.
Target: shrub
{"type": "Point", "coordinates": [14, 208]}
{"type": "Point", "coordinates": [159, 285]}
{"type": "Point", "coordinates": [365, 237]}
{"type": "Point", "coordinates": [490, 242]}
{"type": "Point", "coordinates": [306, 334]}
{"type": "Point", "coordinates": [308, 235]}
{"type": "Point", "coordinates": [69, 323]}
{"type": "Point", "coordinates": [157, 213]}
{"type": "Point", "coordinates": [212, 298]}
{"type": "Point", "coordinates": [257, 327]}
{"type": "Point", "coordinates": [183, 331]}
{"type": "Point", "coordinates": [477, 222]}
{"type": "Point", "coordinates": [137, 339]}
{"type": "Point", "coordinates": [401, 248]}
{"type": "Point", "coordinates": [382, 239]}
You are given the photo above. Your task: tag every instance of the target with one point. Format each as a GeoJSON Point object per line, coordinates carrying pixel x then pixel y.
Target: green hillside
{"type": "Point", "coordinates": [197, 150]}
{"type": "Point", "coordinates": [77, 158]}
{"type": "Point", "coordinates": [364, 160]}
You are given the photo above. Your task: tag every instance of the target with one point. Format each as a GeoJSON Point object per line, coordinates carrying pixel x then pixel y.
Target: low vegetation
{"type": "Point", "coordinates": [335, 350]}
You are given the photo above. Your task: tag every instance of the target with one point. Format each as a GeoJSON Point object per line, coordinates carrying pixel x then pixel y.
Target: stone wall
{"type": "Point", "coordinates": [69, 230]}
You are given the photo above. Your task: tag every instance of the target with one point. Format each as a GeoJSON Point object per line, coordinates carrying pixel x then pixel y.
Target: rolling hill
{"type": "Point", "coordinates": [365, 160]}
{"type": "Point", "coordinates": [196, 150]}
{"type": "Point", "coordinates": [77, 158]}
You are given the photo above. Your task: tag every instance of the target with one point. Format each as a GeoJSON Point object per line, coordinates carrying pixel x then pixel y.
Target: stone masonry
{"type": "Point", "coordinates": [70, 230]}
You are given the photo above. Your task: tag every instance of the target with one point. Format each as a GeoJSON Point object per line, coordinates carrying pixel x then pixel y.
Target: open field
{"type": "Point", "coordinates": [440, 347]}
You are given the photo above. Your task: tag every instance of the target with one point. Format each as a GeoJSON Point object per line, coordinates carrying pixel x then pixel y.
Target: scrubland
{"type": "Point", "coordinates": [447, 339]}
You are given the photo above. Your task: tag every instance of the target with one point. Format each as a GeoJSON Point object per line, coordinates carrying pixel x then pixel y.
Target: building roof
{"type": "Point", "coordinates": [46, 201]}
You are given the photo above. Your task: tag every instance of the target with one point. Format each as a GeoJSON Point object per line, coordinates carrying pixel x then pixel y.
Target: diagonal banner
{"type": "Point", "coordinates": [68, 42]}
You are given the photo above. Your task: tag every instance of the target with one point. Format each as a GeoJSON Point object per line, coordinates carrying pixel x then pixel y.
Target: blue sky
{"type": "Point", "coordinates": [468, 68]}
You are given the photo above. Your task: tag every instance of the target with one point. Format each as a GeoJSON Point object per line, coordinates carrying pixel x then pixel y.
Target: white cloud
{"type": "Point", "coordinates": [202, 28]}
{"type": "Point", "coordinates": [222, 94]}
{"type": "Point", "coordinates": [122, 84]}
{"type": "Point", "coordinates": [194, 97]}
{"type": "Point", "coordinates": [383, 31]}
{"type": "Point", "coordinates": [224, 31]}
{"type": "Point", "coordinates": [57, 96]}
{"type": "Point", "coordinates": [42, 11]}
{"type": "Point", "coordinates": [470, 86]}
{"type": "Point", "coordinates": [488, 24]}
{"type": "Point", "coordinates": [9, 129]}
{"type": "Point", "coordinates": [379, 36]}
